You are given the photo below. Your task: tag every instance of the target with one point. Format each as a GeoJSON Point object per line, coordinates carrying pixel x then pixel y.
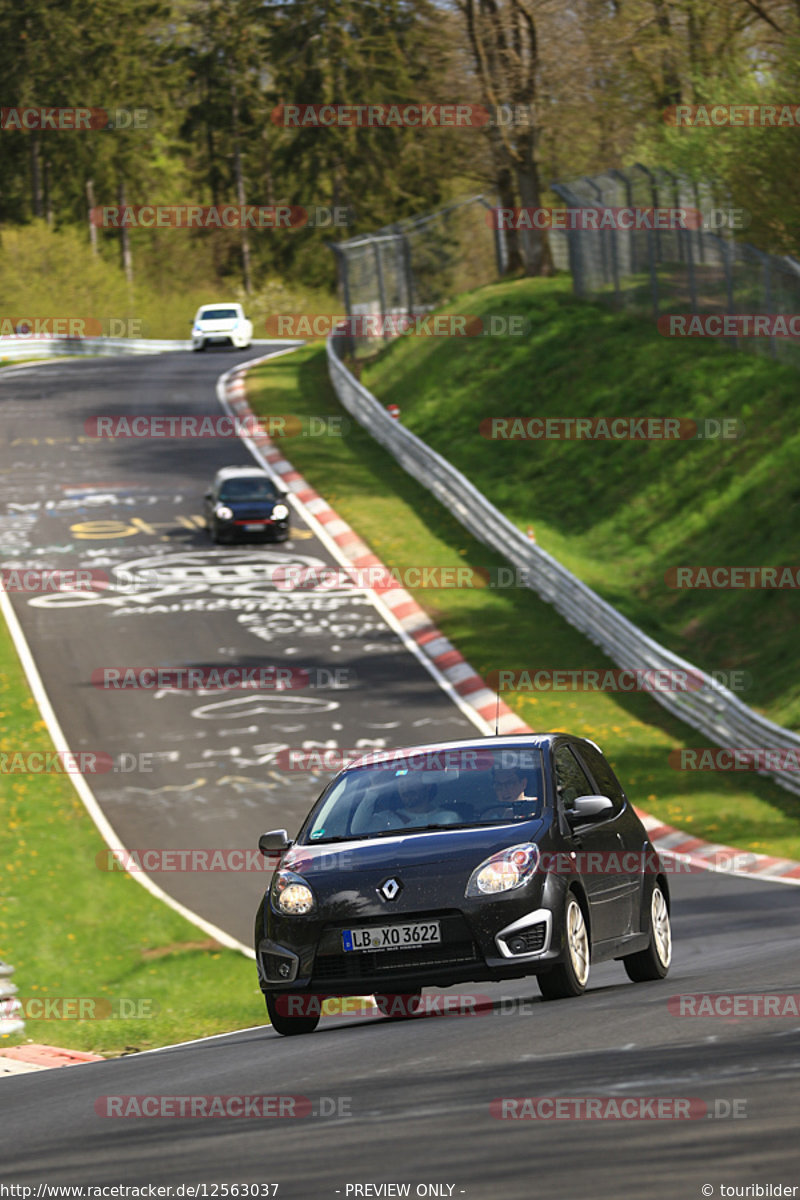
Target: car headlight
{"type": "Point", "coordinates": [280, 511]}
{"type": "Point", "coordinates": [291, 895]}
{"type": "Point", "coordinates": [505, 871]}
{"type": "Point", "coordinates": [223, 512]}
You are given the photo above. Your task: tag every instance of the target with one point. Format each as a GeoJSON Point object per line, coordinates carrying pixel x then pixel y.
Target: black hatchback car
{"type": "Point", "coordinates": [460, 861]}
{"type": "Point", "coordinates": [243, 503]}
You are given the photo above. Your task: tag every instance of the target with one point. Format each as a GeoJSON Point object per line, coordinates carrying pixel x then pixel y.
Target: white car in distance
{"type": "Point", "coordinates": [221, 324]}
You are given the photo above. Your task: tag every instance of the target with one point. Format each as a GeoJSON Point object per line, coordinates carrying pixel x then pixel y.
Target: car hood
{"type": "Point", "coordinates": [432, 867]}
{"type": "Point", "coordinates": [396, 849]}
{"type": "Point", "coordinates": [250, 508]}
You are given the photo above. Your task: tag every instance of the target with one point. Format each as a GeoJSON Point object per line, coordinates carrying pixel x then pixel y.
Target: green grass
{"type": "Point", "coordinates": [406, 527]}
{"type": "Point", "coordinates": [72, 930]}
{"type": "Point", "coordinates": [621, 514]}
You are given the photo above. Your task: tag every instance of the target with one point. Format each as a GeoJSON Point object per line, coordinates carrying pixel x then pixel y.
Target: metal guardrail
{"type": "Point", "coordinates": [64, 347]}
{"type": "Point", "coordinates": [712, 709]}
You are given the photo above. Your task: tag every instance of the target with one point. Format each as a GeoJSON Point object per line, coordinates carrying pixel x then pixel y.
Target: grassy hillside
{"type": "Point", "coordinates": [622, 514]}
{"type": "Point", "coordinates": [495, 628]}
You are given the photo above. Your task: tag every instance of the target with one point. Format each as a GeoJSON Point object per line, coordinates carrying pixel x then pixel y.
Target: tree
{"type": "Point", "coordinates": [504, 41]}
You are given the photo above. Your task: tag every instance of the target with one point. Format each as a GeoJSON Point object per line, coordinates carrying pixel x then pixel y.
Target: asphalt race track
{"type": "Point", "coordinates": [192, 769]}
{"type": "Point", "coordinates": [369, 1101]}
{"type": "Point", "coordinates": [415, 1095]}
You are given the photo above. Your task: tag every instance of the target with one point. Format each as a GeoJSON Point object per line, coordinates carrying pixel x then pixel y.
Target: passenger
{"type": "Point", "coordinates": [418, 803]}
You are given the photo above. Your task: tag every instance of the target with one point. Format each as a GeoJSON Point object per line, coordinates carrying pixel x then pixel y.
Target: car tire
{"type": "Point", "coordinates": [399, 1005]}
{"type": "Point", "coordinates": [288, 1026]}
{"type": "Point", "coordinates": [653, 963]}
{"type": "Point", "coordinates": [198, 349]}
{"type": "Point", "coordinates": [570, 977]}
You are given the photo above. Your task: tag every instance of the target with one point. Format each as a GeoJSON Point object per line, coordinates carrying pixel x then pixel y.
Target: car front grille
{"type": "Point", "coordinates": [369, 965]}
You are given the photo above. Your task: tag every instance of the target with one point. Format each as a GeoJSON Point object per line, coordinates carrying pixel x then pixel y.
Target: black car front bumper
{"type": "Point", "coordinates": [519, 940]}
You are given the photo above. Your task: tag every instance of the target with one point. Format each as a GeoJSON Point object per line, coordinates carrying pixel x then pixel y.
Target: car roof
{"type": "Point", "coordinates": [542, 740]}
{"type": "Point", "coordinates": [220, 304]}
{"type": "Point", "coordinates": [241, 473]}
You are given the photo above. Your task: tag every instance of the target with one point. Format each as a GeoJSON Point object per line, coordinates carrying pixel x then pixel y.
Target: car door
{"type": "Point", "coordinates": [598, 847]}
{"type": "Point", "coordinates": [633, 858]}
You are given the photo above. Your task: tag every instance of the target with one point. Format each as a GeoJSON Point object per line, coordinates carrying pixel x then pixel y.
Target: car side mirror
{"type": "Point", "coordinates": [276, 839]}
{"type": "Point", "coordinates": [208, 495]}
{"type": "Point", "coordinates": [587, 808]}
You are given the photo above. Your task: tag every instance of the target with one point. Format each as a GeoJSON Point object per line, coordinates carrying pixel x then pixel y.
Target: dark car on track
{"type": "Point", "coordinates": [244, 503]}
{"type": "Point", "coordinates": [460, 861]}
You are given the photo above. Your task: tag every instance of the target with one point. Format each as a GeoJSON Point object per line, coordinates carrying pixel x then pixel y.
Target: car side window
{"type": "Point", "coordinates": [605, 779]}
{"type": "Point", "coordinates": [570, 777]}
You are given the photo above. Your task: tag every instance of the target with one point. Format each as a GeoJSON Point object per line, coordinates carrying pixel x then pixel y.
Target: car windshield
{"type": "Point", "coordinates": [405, 792]}
{"type": "Point", "coordinates": [217, 314]}
{"type": "Point", "coordinates": [247, 489]}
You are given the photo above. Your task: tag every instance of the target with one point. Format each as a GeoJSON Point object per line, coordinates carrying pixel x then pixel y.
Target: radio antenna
{"type": "Point", "coordinates": [497, 717]}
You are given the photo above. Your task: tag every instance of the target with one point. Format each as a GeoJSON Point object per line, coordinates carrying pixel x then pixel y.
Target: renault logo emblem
{"type": "Point", "coordinates": [390, 889]}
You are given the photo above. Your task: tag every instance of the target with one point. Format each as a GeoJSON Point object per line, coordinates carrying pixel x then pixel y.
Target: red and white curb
{"type": "Point", "coordinates": [715, 857]}
{"type": "Point", "coordinates": [448, 663]}
{"type": "Point", "coordinates": [21, 1060]}
{"type": "Point", "coordinates": [472, 693]}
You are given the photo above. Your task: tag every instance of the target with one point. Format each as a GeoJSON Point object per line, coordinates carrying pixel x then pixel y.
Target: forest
{"type": "Point", "coordinates": [217, 102]}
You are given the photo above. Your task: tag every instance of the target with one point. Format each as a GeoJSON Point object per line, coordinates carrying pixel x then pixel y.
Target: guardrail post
{"type": "Point", "coordinates": [11, 1018]}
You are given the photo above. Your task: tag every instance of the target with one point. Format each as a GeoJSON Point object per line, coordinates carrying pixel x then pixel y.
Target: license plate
{"type": "Point", "coordinates": [254, 528]}
{"type": "Point", "coordinates": [392, 937]}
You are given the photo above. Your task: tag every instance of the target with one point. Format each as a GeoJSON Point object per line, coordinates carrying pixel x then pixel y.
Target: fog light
{"type": "Point", "coordinates": [517, 945]}
{"type": "Point", "coordinates": [284, 970]}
